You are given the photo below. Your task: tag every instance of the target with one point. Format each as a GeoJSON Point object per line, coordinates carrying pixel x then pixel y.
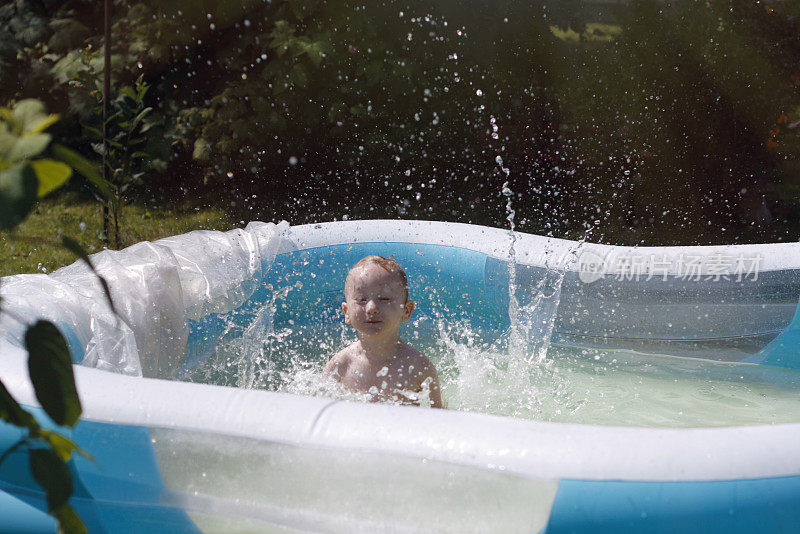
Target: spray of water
{"type": "Point", "coordinates": [516, 343]}
{"type": "Point", "coordinates": [513, 374]}
{"type": "Point", "coordinates": [510, 375]}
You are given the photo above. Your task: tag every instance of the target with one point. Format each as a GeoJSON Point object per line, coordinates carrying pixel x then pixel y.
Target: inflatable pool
{"type": "Point", "coordinates": [177, 449]}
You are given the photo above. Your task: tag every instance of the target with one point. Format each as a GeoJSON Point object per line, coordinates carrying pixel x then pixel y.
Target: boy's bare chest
{"type": "Point", "coordinates": [381, 378]}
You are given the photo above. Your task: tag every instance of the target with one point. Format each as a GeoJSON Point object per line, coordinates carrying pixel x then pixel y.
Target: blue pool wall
{"type": "Point", "coordinates": [711, 507]}
{"type": "Point", "coordinates": [122, 491]}
{"type": "Point", "coordinates": [119, 490]}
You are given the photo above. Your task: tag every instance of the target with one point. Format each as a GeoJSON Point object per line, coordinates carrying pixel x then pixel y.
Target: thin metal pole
{"type": "Point", "coordinates": [106, 93]}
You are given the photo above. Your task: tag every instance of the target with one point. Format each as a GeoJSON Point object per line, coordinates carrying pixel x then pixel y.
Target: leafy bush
{"type": "Point", "coordinates": [122, 143]}
{"type": "Point", "coordinates": [24, 177]}
{"type": "Point", "coordinates": [647, 120]}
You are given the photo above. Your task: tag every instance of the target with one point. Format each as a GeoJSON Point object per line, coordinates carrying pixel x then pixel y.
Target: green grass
{"type": "Point", "coordinates": [34, 246]}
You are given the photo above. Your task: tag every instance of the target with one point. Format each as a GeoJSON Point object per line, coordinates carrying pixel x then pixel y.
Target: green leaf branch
{"type": "Point", "coordinates": [25, 176]}
{"type": "Point", "coordinates": [124, 145]}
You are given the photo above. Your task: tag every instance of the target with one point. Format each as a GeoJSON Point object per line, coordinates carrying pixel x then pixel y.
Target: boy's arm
{"type": "Point", "coordinates": [429, 373]}
{"type": "Point", "coordinates": [332, 368]}
{"type": "Point", "coordinates": [436, 390]}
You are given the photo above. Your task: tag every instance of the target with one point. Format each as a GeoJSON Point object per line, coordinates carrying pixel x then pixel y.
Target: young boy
{"type": "Point", "coordinates": [376, 303]}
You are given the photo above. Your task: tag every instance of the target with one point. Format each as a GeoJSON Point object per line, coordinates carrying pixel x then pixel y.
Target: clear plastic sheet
{"type": "Point", "coordinates": [155, 288]}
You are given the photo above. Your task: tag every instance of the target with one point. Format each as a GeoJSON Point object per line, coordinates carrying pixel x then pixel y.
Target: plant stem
{"type": "Point", "coordinates": [22, 441]}
{"type": "Point", "coordinates": [106, 94]}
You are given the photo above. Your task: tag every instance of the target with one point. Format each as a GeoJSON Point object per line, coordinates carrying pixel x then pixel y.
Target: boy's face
{"type": "Point", "coordinates": [375, 301]}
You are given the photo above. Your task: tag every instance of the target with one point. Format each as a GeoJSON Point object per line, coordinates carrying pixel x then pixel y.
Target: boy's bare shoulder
{"type": "Point", "coordinates": [412, 356]}
{"type": "Point", "coordinates": [340, 361]}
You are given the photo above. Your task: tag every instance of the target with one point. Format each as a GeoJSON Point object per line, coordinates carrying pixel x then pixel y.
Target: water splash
{"type": "Point", "coordinates": [251, 351]}
{"type": "Point", "coordinates": [486, 377]}
{"type": "Point", "coordinates": [517, 344]}
{"type": "Point", "coordinates": [243, 356]}
{"type": "Point", "coordinates": [531, 325]}
{"type": "Point", "coordinates": [535, 321]}
{"type": "Point", "coordinates": [311, 381]}
{"type": "Point", "coordinates": [253, 359]}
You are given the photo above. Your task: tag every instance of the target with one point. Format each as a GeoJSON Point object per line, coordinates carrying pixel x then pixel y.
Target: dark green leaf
{"type": "Point", "coordinates": [11, 411]}
{"type": "Point", "coordinates": [43, 124]}
{"type": "Point", "coordinates": [125, 107]}
{"type": "Point", "coordinates": [50, 369]}
{"type": "Point", "coordinates": [7, 140]}
{"type": "Point", "coordinates": [113, 117]}
{"type": "Point", "coordinates": [52, 475]}
{"type": "Point", "coordinates": [28, 146]}
{"type": "Point", "coordinates": [51, 175]}
{"type": "Point", "coordinates": [76, 248]}
{"type": "Point", "coordinates": [141, 87]}
{"type": "Point", "coordinates": [62, 445]}
{"type": "Point", "coordinates": [129, 92]}
{"type": "Point", "coordinates": [68, 520]}
{"type": "Point", "coordinates": [142, 114]}
{"type": "Point", "coordinates": [86, 168]}
{"type": "Point", "coordinates": [28, 114]}
{"type": "Point", "coordinates": [94, 131]}
{"type": "Point", "coordinates": [18, 188]}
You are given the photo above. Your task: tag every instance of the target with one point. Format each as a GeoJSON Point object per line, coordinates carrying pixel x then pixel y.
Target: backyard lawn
{"type": "Point", "coordinates": [35, 245]}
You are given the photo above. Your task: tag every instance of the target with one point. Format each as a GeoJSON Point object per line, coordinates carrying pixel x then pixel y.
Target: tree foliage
{"type": "Point", "coordinates": [23, 175]}
{"type": "Point", "coordinates": [665, 122]}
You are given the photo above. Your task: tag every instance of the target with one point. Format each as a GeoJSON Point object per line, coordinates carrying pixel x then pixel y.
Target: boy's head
{"type": "Point", "coordinates": [376, 297]}
{"type": "Point", "coordinates": [389, 264]}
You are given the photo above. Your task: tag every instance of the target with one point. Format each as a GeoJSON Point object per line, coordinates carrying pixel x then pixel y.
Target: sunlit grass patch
{"type": "Point", "coordinates": [595, 31]}
{"type": "Point", "coordinates": [35, 245]}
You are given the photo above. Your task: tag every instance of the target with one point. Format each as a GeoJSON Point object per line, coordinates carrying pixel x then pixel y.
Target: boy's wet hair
{"type": "Point", "coordinates": [389, 264]}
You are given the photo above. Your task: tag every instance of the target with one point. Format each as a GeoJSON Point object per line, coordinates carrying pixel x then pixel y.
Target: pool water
{"type": "Point", "coordinates": [481, 374]}
{"type": "Point", "coordinates": [248, 485]}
